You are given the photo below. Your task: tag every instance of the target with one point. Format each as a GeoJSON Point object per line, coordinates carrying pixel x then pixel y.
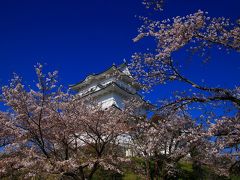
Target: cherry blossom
{"type": "Point", "coordinates": [49, 131]}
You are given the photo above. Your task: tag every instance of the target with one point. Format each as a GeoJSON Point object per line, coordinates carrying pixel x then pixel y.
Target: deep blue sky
{"type": "Point", "coordinates": [79, 37]}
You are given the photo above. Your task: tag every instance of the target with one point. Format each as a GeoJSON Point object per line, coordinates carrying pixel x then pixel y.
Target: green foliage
{"type": "Point", "coordinates": [102, 174]}
{"type": "Point", "coordinates": [186, 166]}
{"type": "Point", "coordinates": [131, 176]}
{"type": "Point", "coordinates": [188, 172]}
{"type": "Point", "coordinates": [235, 177]}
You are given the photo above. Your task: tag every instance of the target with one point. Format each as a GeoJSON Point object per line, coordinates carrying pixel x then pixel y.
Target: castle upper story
{"type": "Point", "coordinates": [112, 87]}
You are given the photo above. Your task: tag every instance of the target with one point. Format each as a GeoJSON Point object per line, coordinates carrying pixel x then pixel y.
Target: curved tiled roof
{"type": "Point", "coordinates": [113, 68]}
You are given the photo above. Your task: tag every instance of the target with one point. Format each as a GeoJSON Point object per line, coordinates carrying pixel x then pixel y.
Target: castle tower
{"type": "Point", "coordinates": [110, 88]}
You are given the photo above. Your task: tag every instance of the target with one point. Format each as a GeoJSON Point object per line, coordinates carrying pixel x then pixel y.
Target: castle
{"type": "Point", "coordinates": [112, 87]}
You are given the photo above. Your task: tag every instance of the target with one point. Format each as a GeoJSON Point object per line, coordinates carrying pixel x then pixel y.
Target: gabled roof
{"type": "Point", "coordinates": [108, 72]}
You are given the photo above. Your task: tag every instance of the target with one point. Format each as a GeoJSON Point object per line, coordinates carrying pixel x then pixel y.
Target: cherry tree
{"type": "Point", "coordinates": [196, 34]}
{"type": "Point", "coordinates": [6, 130]}
{"type": "Point", "coordinates": [197, 30]}
{"type": "Point", "coordinates": [165, 139]}
{"type": "Point", "coordinates": [50, 132]}
{"type": "Point", "coordinates": [227, 143]}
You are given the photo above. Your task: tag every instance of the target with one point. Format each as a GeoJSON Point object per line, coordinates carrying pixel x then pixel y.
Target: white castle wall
{"type": "Point", "coordinates": [110, 99]}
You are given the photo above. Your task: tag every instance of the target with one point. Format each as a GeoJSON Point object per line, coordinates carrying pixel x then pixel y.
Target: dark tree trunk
{"type": "Point", "coordinates": [93, 170]}
{"type": "Point", "coordinates": [156, 169]}
{"type": "Point", "coordinates": [235, 168]}
{"type": "Point", "coordinates": [148, 169]}
{"type": "Point", "coordinates": [81, 173]}
{"type": "Point", "coordinates": [198, 170]}
{"type": "Point", "coordinates": [70, 175]}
